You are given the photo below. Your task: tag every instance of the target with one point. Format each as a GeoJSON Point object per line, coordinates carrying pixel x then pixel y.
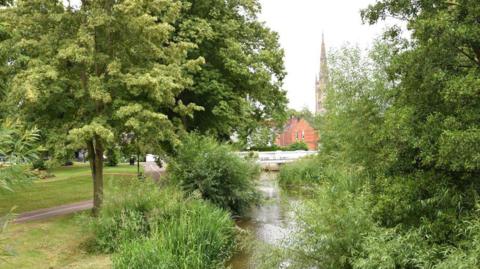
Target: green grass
{"type": "Point", "coordinates": [53, 243]}
{"type": "Point", "coordinates": [70, 185]}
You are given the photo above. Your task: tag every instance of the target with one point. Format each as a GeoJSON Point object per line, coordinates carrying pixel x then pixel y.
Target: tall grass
{"type": "Point", "coordinates": [147, 227]}
{"type": "Point", "coordinates": [305, 171]}
{"type": "Point", "coordinates": [202, 236]}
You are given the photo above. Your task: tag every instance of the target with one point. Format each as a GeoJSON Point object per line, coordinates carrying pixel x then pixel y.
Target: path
{"type": "Point", "coordinates": [54, 211]}
{"type": "Point", "coordinates": [151, 169]}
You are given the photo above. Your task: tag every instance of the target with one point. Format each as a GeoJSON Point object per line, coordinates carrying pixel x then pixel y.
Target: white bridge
{"type": "Point", "coordinates": [277, 157]}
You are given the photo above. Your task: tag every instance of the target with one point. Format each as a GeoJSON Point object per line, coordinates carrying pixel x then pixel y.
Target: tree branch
{"type": "Point", "coordinates": [470, 57]}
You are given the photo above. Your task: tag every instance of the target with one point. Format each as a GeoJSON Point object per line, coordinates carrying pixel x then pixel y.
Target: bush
{"type": "Point", "coordinates": [39, 164]}
{"type": "Point", "coordinates": [330, 226]}
{"type": "Point", "coordinates": [305, 171]}
{"type": "Point", "coordinates": [146, 227]}
{"type": "Point", "coordinates": [218, 174]}
{"type": "Point", "coordinates": [300, 145]}
{"type": "Point", "coordinates": [266, 148]}
{"type": "Point", "coordinates": [113, 157]}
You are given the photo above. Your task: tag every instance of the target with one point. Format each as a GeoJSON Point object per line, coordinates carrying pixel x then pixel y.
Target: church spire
{"type": "Point", "coordinates": [323, 60]}
{"type": "Point", "coordinates": [321, 85]}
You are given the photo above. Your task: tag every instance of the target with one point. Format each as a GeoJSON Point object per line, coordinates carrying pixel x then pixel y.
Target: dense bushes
{"type": "Point", "coordinates": [145, 227]}
{"type": "Point", "coordinates": [213, 170]}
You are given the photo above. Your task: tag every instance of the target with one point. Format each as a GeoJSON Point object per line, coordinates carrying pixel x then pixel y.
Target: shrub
{"type": "Point", "coordinates": [218, 174]}
{"type": "Point", "coordinates": [330, 226]}
{"type": "Point", "coordinates": [113, 157]}
{"type": "Point", "coordinates": [305, 171]}
{"type": "Point", "coordinates": [299, 145]}
{"type": "Point", "coordinates": [39, 164]}
{"type": "Point", "coordinates": [148, 227]}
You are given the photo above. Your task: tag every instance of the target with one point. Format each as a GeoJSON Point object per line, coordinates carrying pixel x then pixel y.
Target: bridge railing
{"type": "Point", "coordinates": [278, 156]}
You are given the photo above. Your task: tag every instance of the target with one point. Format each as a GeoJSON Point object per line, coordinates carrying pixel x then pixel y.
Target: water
{"type": "Point", "coordinates": [269, 223]}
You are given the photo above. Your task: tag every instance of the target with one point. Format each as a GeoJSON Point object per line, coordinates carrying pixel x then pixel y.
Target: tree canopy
{"type": "Point", "coordinates": [239, 86]}
{"type": "Point", "coordinates": [91, 75]}
{"type": "Point", "coordinates": [136, 72]}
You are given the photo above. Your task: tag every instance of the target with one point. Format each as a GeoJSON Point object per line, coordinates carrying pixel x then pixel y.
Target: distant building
{"type": "Point", "coordinates": [296, 130]}
{"type": "Point", "coordinates": [321, 82]}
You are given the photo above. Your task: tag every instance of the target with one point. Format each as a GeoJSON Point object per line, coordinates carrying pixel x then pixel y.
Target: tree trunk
{"type": "Point", "coordinates": [95, 153]}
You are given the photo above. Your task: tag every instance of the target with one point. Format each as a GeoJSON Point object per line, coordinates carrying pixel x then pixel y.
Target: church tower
{"type": "Point", "coordinates": [321, 81]}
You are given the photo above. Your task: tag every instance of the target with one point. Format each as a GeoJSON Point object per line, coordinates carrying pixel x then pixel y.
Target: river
{"type": "Point", "coordinates": [268, 223]}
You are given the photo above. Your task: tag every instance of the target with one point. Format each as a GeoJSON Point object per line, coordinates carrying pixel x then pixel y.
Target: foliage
{"type": "Point", "coordinates": [39, 164]}
{"type": "Point", "coordinates": [201, 236]}
{"type": "Point", "coordinates": [401, 120]}
{"type": "Point", "coordinates": [308, 170]}
{"type": "Point", "coordinates": [17, 147]}
{"type": "Point", "coordinates": [332, 224]}
{"type": "Point", "coordinates": [148, 227]}
{"type": "Point", "coordinates": [239, 87]}
{"type": "Point", "coordinates": [113, 157]}
{"type": "Point", "coordinates": [219, 175]}
{"type": "Point", "coordinates": [123, 62]}
{"type": "Point", "coordinates": [263, 137]}
{"type": "Point", "coordinates": [299, 145]}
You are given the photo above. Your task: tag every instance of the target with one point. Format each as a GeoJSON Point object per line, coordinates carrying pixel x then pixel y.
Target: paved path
{"type": "Point", "coordinates": [53, 211]}
{"type": "Point", "coordinates": [151, 169]}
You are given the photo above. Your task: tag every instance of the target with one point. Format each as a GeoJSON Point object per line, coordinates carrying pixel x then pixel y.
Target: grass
{"type": "Point", "coordinates": [70, 185]}
{"type": "Point", "coordinates": [55, 243]}
{"type": "Point", "coordinates": [304, 171]}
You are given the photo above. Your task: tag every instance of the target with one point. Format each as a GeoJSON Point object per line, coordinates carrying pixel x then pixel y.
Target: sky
{"type": "Point", "coordinates": [300, 24]}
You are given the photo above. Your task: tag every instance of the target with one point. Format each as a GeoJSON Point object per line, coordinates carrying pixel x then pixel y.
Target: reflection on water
{"type": "Point", "coordinates": [268, 222]}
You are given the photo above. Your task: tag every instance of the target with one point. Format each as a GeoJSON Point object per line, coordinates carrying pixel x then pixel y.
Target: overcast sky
{"type": "Point", "coordinates": [300, 24]}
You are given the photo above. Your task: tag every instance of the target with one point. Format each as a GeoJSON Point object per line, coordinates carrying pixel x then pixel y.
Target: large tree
{"type": "Point", "coordinates": [435, 115]}
{"type": "Point", "coordinates": [240, 85]}
{"type": "Point", "coordinates": [98, 73]}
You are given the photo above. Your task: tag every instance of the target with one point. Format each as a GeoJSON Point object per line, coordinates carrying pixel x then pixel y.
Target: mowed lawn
{"type": "Point", "coordinates": [69, 185]}
{"type": "Point", "coordinates": [54, 243]}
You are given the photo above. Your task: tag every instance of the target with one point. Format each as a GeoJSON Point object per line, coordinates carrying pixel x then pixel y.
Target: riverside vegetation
{"type": "Point", "coordinates": [397, 177]}
{"type": "Point", "coordinates": [187, 223]}
{"type": "Point", "coordinates": [214, 171]}
{"type": "Point", "coordinates": [146, 227]}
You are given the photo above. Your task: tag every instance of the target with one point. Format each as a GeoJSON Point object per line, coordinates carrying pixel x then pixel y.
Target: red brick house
{"type": "Point", "coordinates": [298, 129]}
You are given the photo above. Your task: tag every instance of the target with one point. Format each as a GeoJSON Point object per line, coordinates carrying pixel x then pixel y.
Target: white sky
{"type": "Point", "coordinates": [300, 24]}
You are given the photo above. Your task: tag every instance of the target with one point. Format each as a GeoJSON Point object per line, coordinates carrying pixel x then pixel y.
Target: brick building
{"type": "Point", "coordinates": [298, 129]}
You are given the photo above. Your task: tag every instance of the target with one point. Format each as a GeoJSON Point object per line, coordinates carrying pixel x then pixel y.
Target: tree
{"type": "Point", "coordinates": [357, 97]}
{"type": "Point", "coordinates": [435, 117]}
{"type": "Point", "coordinates": [89, 75]}
{"type": "Point", "coordinates": [240, 84]}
